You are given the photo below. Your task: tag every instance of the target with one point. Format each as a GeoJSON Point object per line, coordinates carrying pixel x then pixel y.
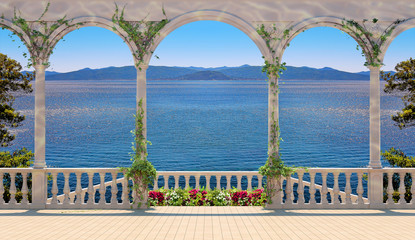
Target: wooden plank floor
{"type": "Point", "coordinates": [207, 223]}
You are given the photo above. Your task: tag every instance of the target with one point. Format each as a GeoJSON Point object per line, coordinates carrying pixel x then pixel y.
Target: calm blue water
{"type": "Point", "coordinates": [210, 125]}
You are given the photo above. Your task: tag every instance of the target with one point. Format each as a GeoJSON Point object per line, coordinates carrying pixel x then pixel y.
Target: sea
{"type": "Point", "coordinates": [210, 125]}
{"type": "Point", "coordinates": [196, 125]}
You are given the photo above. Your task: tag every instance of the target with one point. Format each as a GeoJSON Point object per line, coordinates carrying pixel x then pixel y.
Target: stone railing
{"type": "Point", "coordinates": [322, 188]}
{"type": "Point", "coordinates": [13, 181]}
{"type": "Point", "coordinates": [311, 188]}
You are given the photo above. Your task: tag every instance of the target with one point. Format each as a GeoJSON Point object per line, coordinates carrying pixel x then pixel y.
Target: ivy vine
{"type": "Point", "coordinates": [141, 171]}
{"type": "Point", "coordinates": [39, 35]}
{"type": "Point", "coordinates": [141, 33]}
{"type": "Point", "coordinates": [371, 47]}
{"type": "Point", "coordinates": [274, 167]}
{"type": "Point", "coordinates": [272, 68]}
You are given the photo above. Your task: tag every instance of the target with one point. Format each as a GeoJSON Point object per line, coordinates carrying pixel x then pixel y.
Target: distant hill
{"type": "Point", "coordinates": [205, 75]}
{"type": "Point", "coordinates": [47, 73]}
{"type": "Point", "coordinates": [368, 72]}
{"type": "Point", "coordinates": [244, 72]}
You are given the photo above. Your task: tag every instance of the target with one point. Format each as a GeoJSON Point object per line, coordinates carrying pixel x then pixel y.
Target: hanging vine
{"type": "Point", "coordinates": [141, 171]}
{"type": "Point", "coordinates": [38, 33]}
{"type": "Point", "coordinates": [274, 167]}
{"type": "Point", "coordinates": [142, 33]}
{"type": "Point", "coordinates": [371, 47]}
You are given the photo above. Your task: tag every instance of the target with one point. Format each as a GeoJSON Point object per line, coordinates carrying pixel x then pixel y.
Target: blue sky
{"type": "Point", "coordinates": [211, 44]}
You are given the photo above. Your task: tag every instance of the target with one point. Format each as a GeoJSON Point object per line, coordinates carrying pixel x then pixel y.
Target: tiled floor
{"type": "Point", "coordinates": [207, 223]}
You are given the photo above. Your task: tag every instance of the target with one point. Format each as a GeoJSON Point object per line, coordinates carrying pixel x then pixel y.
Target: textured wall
{"type": "Point", "coordinates": [255, 10]}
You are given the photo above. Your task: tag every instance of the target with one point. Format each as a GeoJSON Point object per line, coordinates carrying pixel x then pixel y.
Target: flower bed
{"type": "Point", "coordinates": [202, 197]}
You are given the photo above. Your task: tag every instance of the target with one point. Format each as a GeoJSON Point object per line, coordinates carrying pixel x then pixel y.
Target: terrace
{"type": "Point", "coordinates": [208, 223]}
{"type": "Point", "coordinates": [292, 213]}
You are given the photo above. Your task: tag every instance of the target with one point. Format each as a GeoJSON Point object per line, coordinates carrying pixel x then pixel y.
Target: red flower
{"type": "Point", "coordinates": [154, 195]}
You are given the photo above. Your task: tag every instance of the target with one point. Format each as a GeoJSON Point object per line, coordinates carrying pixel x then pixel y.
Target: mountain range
{"type": "Point", "coordinates": [244, 72]}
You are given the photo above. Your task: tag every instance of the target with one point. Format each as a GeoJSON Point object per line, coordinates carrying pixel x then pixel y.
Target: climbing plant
{"type": "Point", "coordinates": [274, 167]}
{"type": "Point", "coordinates": [141, 171]}
{"type": "Point", "coordinates": [39, 33]}
{"type": "Point", "coordinates": [142, 33]}
{"type": "Point", "coordinates": [370, 46]}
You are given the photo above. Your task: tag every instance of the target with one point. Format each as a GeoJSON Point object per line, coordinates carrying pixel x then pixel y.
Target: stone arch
{"type": "Point", "coordinates": [91, 22]}
{"type": "Point", "coordinates": [212, 15]}
{"type": "Point", "coordinates": [299, 27]}
{"type": "Point", "coordinates": [400, 28]}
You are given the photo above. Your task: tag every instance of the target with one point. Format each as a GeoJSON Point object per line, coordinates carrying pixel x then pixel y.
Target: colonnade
{"type": "Point", "coordinates": [248, 27]}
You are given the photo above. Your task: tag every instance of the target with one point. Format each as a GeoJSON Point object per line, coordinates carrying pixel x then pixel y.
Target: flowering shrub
{"type": "Point", "coordinates": [217, 197]}
{"type": "Point", "coordinates": [241, 198]}
{"type": "Point", "coordinates": [177, 197]}
{"type": "Point", "coordinates": [156, 198]}
{"type": "Point", "coordinates": [258, 197]}
{"type": "Point", "coordinates": [197, 198]}
{"type": "Point", "coordinates": [201, 197]}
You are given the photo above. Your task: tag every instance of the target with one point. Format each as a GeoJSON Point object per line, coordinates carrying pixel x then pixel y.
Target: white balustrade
{"type": "Point", "coordinates": [346, 187]}
{"type": "Point", "coordinates": [392, 194]}
{"type": "Point", "coordinates": [77, 198]}
{"type": "Point", "coordinates": [338, 198]}
{"type": "Point", "coordinates": [208, 177]}
{"type": "Point", "coordinates": [15, 182]}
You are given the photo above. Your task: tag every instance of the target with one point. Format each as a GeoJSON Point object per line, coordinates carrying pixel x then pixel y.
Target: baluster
{"type": "Point", "coordinates": [402, 189]}
{"type": "Point", "coordinates": [359, 189]}
{"type": "Point", "coordinates": [114, 188]}
{"type": "Point", "coordinates": [54, 188]}
{"type": "Point", "coordinates": [12, 188]}
{"type": "Point", "coordinates": [260, 179]}
{"type": "Point", "coordinates": [288, 190]}
{"type": "Point", "coordinates": [66, 189]}
{"type": "Point", "coordinates": [90, 190]}
{"type": "Point", "coordinates": [389, 190]}
{"type": "Point", "coordinates": [125, 191]}
{"type": "Point", "coordinates": [228, 182]}
{"type": "Point", "coordinates": [186, 181]}
{"type": "Point", "coordinates": [238, 182]}
{"type": "Point", "coordinates": [102, 188]}
{"type": "Point", "coordinates": [176, 181]}
{"type": "Point", "coordinates": [413, 188]}
{"type": "Point", "coordinates": [348, 189]}
{"type": "Point", "coordinates": [336, 190]}
{"type": "Point", "coordinates": [166, 181]}
{"type": "Point", "coordinates": [312, 188]}
{"type": "Point", "coordinates": [249, 178]}
{"type": "Point", "coordinates": [25, 189]}
{"type": "Point", "coordinates": [1, 188]}
{"type": "Point", "coordinates": [324, 189]}
{"type": "Point", "coordinates": [218, 182]}
{"type": "Point", "coordinates": [300, 188]}
{"type": "Point", "coordinates": [156, 183]}
{"type": "Point", "coordinates": [209, 186]}
{"type": "Point", "coordinates": [78, 189]}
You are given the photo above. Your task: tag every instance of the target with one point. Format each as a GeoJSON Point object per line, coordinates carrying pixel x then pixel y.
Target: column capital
{"type": "Point", "coordinates": [40, 67]}
{"type": "Point", "coordinates": [141, 68]}
{"type": "Point", "coordinates": [374, 68]}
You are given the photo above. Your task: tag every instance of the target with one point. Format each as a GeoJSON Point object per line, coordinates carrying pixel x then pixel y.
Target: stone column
{"type": "Point", "coordinates": [39, 174]}
{"type": "Point", "coordinates": [273, 117]}
{"type": "Point", "coordinates": [374, 118]}
{"type": "Point", "coordinates": [375, 183]}
{"type": "Point", "coordinates": [142, 93]}
{"type": "Point", "coordinates": [40, 131]}
{"type": "Point", "coordinates": [273, 106]}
